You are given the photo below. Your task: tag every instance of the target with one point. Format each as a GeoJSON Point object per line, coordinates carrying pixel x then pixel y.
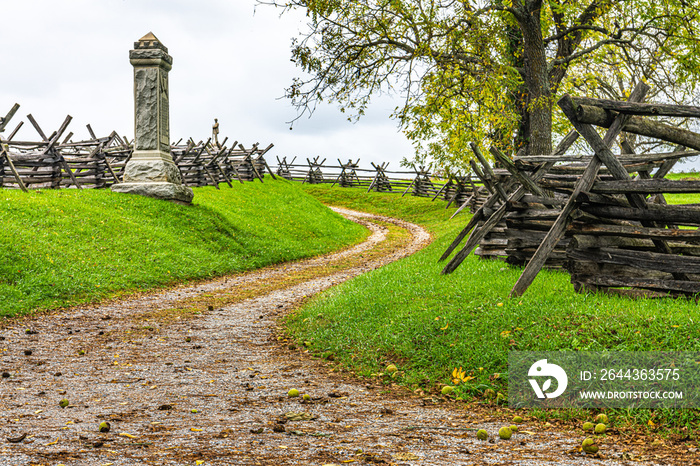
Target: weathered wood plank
{"type": "Point", "coordinates": [641, 126]}
{"type": "Point", "coordinates": [6, 119]}
{"type": "Point", "coordinates": [639, 108]}
{"type": "Point", "coordinates": [627, 243]}
{"type": "Point", "coordinates": [634, 231]}
{"type": "Point", "coordinates": [624, 159]}
{"type": "Point", "coordinates": [673, 214]}
{"type": "Point", "coordinates": [635, 282]}
{"type": "Point", "coordinates": [670, 263]}
{"type": "Point", "coordinates": [650, 186]}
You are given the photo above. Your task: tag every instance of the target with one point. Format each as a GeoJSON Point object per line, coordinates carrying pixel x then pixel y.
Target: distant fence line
{"type": "Point", "coordinates": [457, 190]}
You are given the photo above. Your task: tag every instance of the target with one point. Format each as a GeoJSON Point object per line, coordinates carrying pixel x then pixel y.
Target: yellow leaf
{"type": "Point", "coordinates": [198, 462]}
{"type": "Point", "coordinates": [124, 434]}
{"type": "Point", "coordinates": [195, 430]}
{"type": "Point", "coordinates": [51, 443]}
{"type": "Point", "coordinates": [445, 327]}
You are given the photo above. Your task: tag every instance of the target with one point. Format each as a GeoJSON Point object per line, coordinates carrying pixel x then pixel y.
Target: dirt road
{"type": "Point", "coordinates": [187, 388]}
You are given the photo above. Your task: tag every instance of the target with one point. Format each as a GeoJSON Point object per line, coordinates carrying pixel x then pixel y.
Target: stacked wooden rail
{"type": "Point", "coordinates": [206, 164]}
{"type": "Point", "coordinates": [509, 224]}
{"type": "Point", "coordinates": [602, 217]}
{"type": "Point", "coordinates": [625, 248]}
{"type": "Point", "coordinates": [56, 161]}
{"type": "Point", "coordinates": [459, 190]}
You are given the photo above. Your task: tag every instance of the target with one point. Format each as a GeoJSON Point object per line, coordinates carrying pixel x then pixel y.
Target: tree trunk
{"type": "Point", "coordinates": [515, 56]}
{"type": "Point", "coordinates": [537, 79]}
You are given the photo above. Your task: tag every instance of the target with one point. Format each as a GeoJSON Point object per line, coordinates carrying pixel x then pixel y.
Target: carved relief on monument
{"type": "Point", "coordinates": [146, 95]}
{"type": "Point", "coordinates": [164, 112]}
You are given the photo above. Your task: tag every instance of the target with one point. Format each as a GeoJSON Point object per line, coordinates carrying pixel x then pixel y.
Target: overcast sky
{"type": "Point", "coordinates": [231, 61]}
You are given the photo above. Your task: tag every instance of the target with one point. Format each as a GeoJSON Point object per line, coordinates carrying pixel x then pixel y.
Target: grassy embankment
{"type": "Point", "coordinates": [428, 324]}
{"type": "Point", "coordinates": [61, 248]}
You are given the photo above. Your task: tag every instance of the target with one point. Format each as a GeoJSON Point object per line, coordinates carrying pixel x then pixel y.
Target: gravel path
{"type": "Point", "coordinates": [211, 388]}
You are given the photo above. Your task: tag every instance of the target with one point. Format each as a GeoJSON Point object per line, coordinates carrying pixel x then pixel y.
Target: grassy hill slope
{"type": "Point", "coordinates": [65, 247]}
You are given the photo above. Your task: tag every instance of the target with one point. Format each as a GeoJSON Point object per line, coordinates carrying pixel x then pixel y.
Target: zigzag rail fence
{"type": "Point", "coordinates": [601, 217]}
{"type": "Point", "coordinates": [458, 190]}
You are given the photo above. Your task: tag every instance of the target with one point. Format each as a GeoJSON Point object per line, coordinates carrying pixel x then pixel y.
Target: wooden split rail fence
{"type": "Point", "coordinates": [460, 191]}
{"type": "Point", "coordinates": [604, 218]}
{"type": "Point", "coordinates": [56, 161]}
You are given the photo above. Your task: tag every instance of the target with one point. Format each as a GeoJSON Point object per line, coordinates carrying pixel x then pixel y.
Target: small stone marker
{"type": "Point", "coordinates": [151, 171]}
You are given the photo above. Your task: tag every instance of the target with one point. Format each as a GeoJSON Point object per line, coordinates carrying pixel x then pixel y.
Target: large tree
{"type": "Point", "coordinates": [483, 70]}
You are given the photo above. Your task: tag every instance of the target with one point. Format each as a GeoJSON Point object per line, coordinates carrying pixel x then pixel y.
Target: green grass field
{"type": "Point", "coordinates": [65, 247]}
{"type": "Point", "coordinates": [429, 324]}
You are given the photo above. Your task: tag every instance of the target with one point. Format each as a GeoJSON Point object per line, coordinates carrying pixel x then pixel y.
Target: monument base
{"type": "Point", "coordinates": [166, 191]}
{"type": "Point", "coordinates": [151, 166]}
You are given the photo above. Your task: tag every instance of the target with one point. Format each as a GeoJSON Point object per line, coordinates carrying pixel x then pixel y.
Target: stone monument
{"type": "Point", "coordinates": [151, 171]}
